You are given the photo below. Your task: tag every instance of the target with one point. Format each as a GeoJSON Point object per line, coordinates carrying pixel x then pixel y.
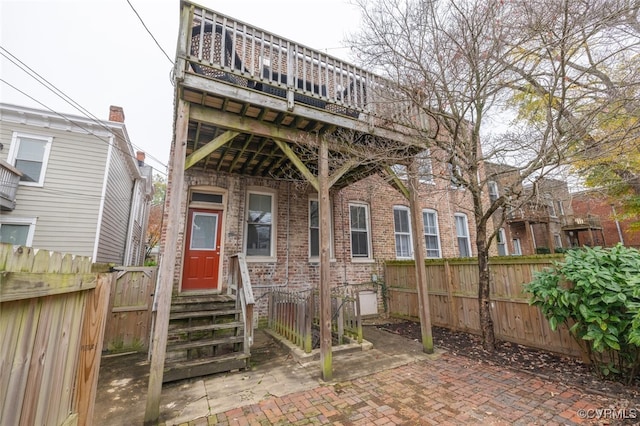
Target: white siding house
{"type": "Point", "coordinates": [80, 187]}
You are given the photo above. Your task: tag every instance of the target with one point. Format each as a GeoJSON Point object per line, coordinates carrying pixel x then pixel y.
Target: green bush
{"type": "Point", "coordinates": [596, 293]}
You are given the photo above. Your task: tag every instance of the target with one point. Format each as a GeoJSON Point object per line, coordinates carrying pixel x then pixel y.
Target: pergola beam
{"type": "Point", "coordinates": [209, 147]}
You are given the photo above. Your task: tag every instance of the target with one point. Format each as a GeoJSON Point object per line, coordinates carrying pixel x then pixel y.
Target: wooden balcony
{"type": "Point", "coordinates": [9, 179]}
{"type": "Point", "coordinates": [579, 223]}
{"type": "Point", "coordinates": [247, 88]}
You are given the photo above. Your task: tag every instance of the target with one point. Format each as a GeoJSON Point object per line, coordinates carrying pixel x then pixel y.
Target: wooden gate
{"type": "Point", "coordinates": [129, 321]}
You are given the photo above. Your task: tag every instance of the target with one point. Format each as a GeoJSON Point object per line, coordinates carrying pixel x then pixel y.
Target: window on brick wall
{"type": "Point", "coordinates": [431, 233]}
{"type": "Point", "coordinates": [360, 226]}
{"type": "Point", "coordinates": [314, 230]}
{"type": "Point", "coordinates": [260, 230]}
{"type": "Point", "coordinates": [402, 229]}
{"type": "Point", "coordinates": [501, 239]}
{"type": "Point", "coordinates": [462, 235]}
{"type": "Point", "coordinates": [493, 191]}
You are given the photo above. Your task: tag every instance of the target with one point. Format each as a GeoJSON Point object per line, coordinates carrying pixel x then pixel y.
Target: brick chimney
{"type": "Point", "coordinates": [140, 157]}
{"type": "Point", "coordinates": [116, 113]}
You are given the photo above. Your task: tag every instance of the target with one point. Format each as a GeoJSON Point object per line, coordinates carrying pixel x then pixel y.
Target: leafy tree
{"type": "Point", "coordinates": [154, 227]}
{"type": "Point", "coordinates": [595, 292]}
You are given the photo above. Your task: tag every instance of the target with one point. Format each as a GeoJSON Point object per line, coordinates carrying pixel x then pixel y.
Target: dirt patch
{"type": "Point", "coordinates": [569, 371]}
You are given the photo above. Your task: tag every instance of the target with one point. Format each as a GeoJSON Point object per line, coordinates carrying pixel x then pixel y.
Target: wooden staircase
{"type": "Point", "coordinates": [206, 336]}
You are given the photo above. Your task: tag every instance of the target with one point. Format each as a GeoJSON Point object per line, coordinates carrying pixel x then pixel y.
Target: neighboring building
{"type": "Point", "coordinates": [545, 222]}
{"type": "Point", "coordinates": [593, 204]}
{"type": "Point", "coordinates": [73, 184]}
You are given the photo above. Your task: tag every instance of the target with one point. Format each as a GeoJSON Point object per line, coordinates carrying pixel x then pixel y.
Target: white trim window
{"type": "Point", "coordinates": [30, 155]}
{"type": "Point", "coordinates": [494, 194]}
{"type": "Point", "coordinates": [359, 227]}
{"type": "Point", "coordinates": [425, 167]}
{"type": "Point", "coordinates": [557, 240]}
{"type": "Point", "coordinates": [402, 231]}
{"type": "Point", "coordinates": [455, 181]}
{"type": "Point", "coordinates": [18, 231]}
{"type": "Point", "coordinates": [314, 230]}
{"type": "Point", "coordinates": [501, 240]}
{"type": "Point", "coordinates": [550, 205]}
{"type": "Point", "coordinates": [517, 247]}
{"type": "Point", "coordinates": [462, 235]}
{"type": "Point", "coordinates": [431, 233]}
{"type": "Point", "coordinates": [261, 227]}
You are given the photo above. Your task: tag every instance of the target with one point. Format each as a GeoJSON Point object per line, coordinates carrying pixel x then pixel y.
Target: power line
{"type": "Point", "coordinates": [145, 27]}
{"type": "Point", "coordinates": [77, 124]}
{"type": "Point", "coordinates": [51, 87]}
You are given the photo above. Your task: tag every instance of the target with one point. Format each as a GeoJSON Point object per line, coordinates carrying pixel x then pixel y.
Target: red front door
{"type": "Point", "coordinates": [202, 250]}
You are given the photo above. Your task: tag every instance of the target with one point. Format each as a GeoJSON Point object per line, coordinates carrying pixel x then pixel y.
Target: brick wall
{"type": "Point", "coordinates": [293, 267]}
{"type": "Point", "coordinates": [596, 204]}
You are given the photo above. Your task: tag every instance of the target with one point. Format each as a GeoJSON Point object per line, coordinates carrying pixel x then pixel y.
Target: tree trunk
{"type": "Point", "coordinates": [484, 297]}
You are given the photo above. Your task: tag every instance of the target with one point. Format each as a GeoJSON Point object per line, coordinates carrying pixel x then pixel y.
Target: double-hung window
{"type": "Point", "coordinates": [314, 231]}
{"type": "Point", "coordinates": [30, 155]}
{"type": "Point", "coordinates": [425, 168]}
{"type": "Point", "coordinates": [501, 239]}
{"type": "Point", "coordinates": [431, 233]}
{"type": "Point", "coordinates": [260, 240]}
{"type": "Point", "coordinates": [493, 191]}
{"type": "Point", "coordinates": [17, 231]}
{"type": "Point", "coordinates": [360, 231]}
{"type": "Point", "coordinates": [402, 228]}
{"type": "Point", "coordinates": [462, 235]}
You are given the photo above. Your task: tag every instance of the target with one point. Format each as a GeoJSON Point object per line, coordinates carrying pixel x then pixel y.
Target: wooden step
{"type": "Point", "coordinates": [181, 346]}
{"type": "Point", "coordinates": [213, 302]}
{"type": "Point", "coordinates": [203, 314]}
{"type": "Point", "coordinates": [206, 327]}
{"type": "Point", "coordinates": [204, 366]}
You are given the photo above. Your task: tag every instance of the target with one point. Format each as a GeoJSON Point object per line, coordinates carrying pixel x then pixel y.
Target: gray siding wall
{"type": "Point", "coordinates": [112, 242]}
{"type": "Point", "coordinates": [67, 206]}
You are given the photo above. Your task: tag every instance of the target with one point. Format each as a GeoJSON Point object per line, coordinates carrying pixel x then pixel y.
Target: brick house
{"type": "Point", "coordinates": [546, 220]}
{"type": "Point", "coordinates": [257, 119]}
{"type": "Point", "coordinates": [592, 204]}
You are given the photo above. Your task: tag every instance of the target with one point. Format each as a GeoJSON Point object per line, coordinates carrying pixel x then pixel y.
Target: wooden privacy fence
{"type": "Point", "coordinates": [52, 317]}
{"type": "Point", "coordinates": [453, 299]}
{"type": "Point", "coordinates": [293, 314]}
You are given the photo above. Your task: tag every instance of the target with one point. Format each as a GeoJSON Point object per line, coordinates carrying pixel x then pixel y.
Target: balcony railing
{"type": "Point", "coordinates": [9, 179]}
{"type": "Point", "coordinates": [223, 48]}
{"type": "Point", "coordinates": [583, 222]}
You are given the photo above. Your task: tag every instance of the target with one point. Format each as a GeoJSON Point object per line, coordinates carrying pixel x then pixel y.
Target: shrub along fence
{"type": "Point", "coordinates": [52, 315]}
{"type": "Point", "coordinates": [453, 299]}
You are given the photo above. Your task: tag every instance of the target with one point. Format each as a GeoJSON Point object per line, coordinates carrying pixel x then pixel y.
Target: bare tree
{"type": "Point", "coordinates": [452, 62]}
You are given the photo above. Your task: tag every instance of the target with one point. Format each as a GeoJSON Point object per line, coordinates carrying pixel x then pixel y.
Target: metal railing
{"type": "Point", "coordinates": [9, 180]}
{"type": "Point", "coordinates": [226, 49]}
{"type": "Point", "coordinates": [239, 285]}
{"type": "Point", "coordinates": [296, 316]}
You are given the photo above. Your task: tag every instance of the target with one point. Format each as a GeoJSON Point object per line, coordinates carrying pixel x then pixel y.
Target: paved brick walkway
{"type": "Point", "coordinates": [446, 391]}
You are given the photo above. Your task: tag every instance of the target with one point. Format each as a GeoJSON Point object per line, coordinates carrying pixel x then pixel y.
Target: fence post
{"type": "Point", "coordinates": [307, 323]}
{"type": "Point", "coordinates": [342, 299]}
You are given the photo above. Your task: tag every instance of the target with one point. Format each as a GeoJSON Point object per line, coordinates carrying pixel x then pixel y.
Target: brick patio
{"type": "Point", "coordinates": [445, 391]}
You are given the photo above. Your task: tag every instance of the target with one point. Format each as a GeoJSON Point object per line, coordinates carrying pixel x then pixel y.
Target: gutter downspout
{"type": "Point", "coordinates": [615, 217]}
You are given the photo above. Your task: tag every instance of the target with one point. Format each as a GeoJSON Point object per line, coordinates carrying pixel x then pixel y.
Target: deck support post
{"type": "Point", "coordinates": [325, 279]}
{"type": "Point", "coordinates": [167, 265]}
{"type": "Point", "coordinates": [419, 255]}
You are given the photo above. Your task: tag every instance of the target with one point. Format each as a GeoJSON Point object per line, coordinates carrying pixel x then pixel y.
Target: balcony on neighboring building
{"type": "Point", "coordinates": [582, 223]}
{"type": "Point", "coordinates": [9, 179]}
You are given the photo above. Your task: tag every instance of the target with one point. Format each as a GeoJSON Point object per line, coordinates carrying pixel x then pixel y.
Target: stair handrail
{"type": "Point", "coordinates": [240, 282]}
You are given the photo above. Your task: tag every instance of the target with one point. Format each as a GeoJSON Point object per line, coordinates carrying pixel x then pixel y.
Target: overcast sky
{"type": "Point", "coordinates": [98, 54]}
